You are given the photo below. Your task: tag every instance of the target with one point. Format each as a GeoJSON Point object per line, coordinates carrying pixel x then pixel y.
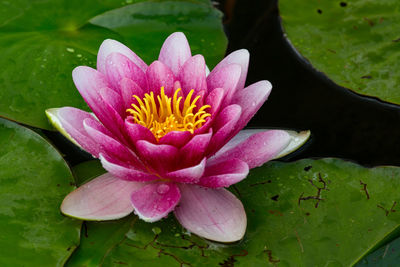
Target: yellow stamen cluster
{"type": "Point", "coordinates": [163, 114]}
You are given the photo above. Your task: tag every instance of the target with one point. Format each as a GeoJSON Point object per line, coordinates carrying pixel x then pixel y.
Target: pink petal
{"type": "Point", "coordinates": [176, 138]}
{"type": "Point", "coordinates": [189, 175]}
{"type": "Point", "coordinates": [114, 100]}
{"type": "Point", "coordinates": [215, 214]}
{"type": "Point", "coordinates": [175, 51]}
{"type": "Point", "coordinates": [123, 171]}
{"type": "Point", "coordinates": [255, 147]}
{"type": "Point", "coordinates": [240, 57]}
{"type": "Point", "coordinates": [108, 144]}
{"type": "Point", "coordinates": [71, 119]}
{"type": "Point", "coordinates": [214, 99]}
{"type": "Point", "coordinates": [193, 75]}
{"type": "Point", "coordinates": [128, 89]}
{"type": "Point", "coordinates": [224, 174]}
{"type": "Point", "coordinates": [111, 46]}
{"type": "Point", "coordinates": [225, 126]}
{"type": "Point", "coordinates": [251, 99]}
{"type": "Point", "coordinates": [161, 158]}
{"type": "Point", "coordinates": [195, 149]}
{"type": "Point", "coordinates": [154, 201]}
{"type": "Point", "coordinates": [159, 75]}
{"type": "Point", "coordinates": [103, 198]}
{"type": "Point", "coordinates": [138, 132]}
{"type": "Point", "coordinates": [227, 78]}
{"type": "Point", "coordinates": [89, 83]}
{"type": "Point", "coordinates": [119, 66]}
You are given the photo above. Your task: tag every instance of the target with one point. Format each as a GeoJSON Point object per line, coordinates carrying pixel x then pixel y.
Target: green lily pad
{"type": "Point", "coordinates": [352, 42]}
{"type": "Point", "coordinates": [42, 42]}
{"type": "Point", "coordinates": [325, 212]}
{"type": "Point", "coordinates": [33, 181]}
{"type": "Point", "coordinates": [386, 256]}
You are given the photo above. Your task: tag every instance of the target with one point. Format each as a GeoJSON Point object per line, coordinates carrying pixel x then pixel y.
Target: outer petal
{"type": "Point", "coordinates": [124, 171]}
{"type": "Point", "coordinates": [189, 175]}
{"type": "Point", "coordinates": [108, 144]}
{"type": "Point", "coordinates": [111, 46]}
{"type": "Point", "coordinates": [251, 99]}
{"type": "Point", "coordinates": [154, 201]}
{"type": "Point", "coordinates": [103, 198]}
{"type": "Point", "coordinates": [297, 140]}
{"type": "Point", "coordinates": [159, 75]}
{"type": "Point", "coordinates": [114, 99]}
{"type": "Point", "coordinates": [240, 57]}
{"type": "Point", "coordinates": [224, 174]}
{"type": "Point", "coordinates": [119, 66]}
{"type": "Point", "coordinates": [224, 127]}
{"type": "Point", "coordinates": [69, 121]}
{"type": "Point", "coordinates": [255, 147]}
{"type": "Point", "coordinates": [89, 83]}
{"type": "Point", "coordinates": [175, 51]}
{"type": "Point", "coordinates": [227, 78]}
{"type": "Point", "coordinates": [193, 75]}
{"type": "Point", "coordinates": [215, 214]}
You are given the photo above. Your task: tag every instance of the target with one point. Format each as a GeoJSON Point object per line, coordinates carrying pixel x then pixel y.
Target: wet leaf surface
{"type": "Point", "coordinates": [33, 181]}
{"type": "Point", "coordinates": [42, 42]}
{"type": "Point", "coordinates": [352, 42]}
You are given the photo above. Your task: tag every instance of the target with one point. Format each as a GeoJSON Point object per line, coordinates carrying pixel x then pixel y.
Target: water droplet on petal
{"type": "Point", "coordinates": [162, 189]}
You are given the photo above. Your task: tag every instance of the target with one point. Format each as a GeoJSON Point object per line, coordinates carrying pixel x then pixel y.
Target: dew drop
{"type": "Point", "coordinates": [71, 50]}
{"type": "Point", "coordinates": [79, 55]}
{"type": "Point", "coordinates": [162, 189]}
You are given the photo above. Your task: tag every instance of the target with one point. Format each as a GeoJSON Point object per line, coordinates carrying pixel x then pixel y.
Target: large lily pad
{"type": "Point", "coordinates": [308, 213]}
{"type": "Point", "coordinates": [33, 181]}
{"type": "Point", "coordinates": [352, 42]}
{"type": "Point", "coordinates": [42, 41]}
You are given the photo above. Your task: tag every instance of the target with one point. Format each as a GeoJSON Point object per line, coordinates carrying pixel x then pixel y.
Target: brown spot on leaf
{"type": "Point", "coordinates": [369, 21]}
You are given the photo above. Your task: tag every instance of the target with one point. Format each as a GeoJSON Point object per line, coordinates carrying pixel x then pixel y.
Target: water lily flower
{"type": "Point", "coordinates": [169, 135]}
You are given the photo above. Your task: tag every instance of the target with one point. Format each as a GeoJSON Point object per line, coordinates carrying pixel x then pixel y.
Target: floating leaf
{"type": "Point", "coordinates": [43, 41]}
{"type": "Point", "coordinates": [386, 256]}
{"type": "Point", "coordinates": [308, 213]}
{"type": "Point", "coordinates": [33, 181]}
{"type": "Point", "coordinates": [352, 42]}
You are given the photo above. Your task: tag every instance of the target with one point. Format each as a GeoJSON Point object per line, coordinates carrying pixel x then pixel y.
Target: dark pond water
{"type": "Point", "coordinates": [343, 124]}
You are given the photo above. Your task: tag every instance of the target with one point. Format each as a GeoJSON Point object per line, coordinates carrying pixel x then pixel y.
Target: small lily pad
{"type": "Point", "coordinates": [353, 42]}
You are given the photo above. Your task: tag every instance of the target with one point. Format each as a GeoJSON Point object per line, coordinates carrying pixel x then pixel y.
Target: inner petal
{"type": "Point", "coordinates": [162, 114]}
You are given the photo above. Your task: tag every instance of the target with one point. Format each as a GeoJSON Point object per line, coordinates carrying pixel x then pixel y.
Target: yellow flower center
{"type": "Point", "coordinates": [164, 114]}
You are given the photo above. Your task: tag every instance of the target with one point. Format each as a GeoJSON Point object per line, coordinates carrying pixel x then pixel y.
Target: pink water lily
{"type": "Point", "coordinates": [169, 136]}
